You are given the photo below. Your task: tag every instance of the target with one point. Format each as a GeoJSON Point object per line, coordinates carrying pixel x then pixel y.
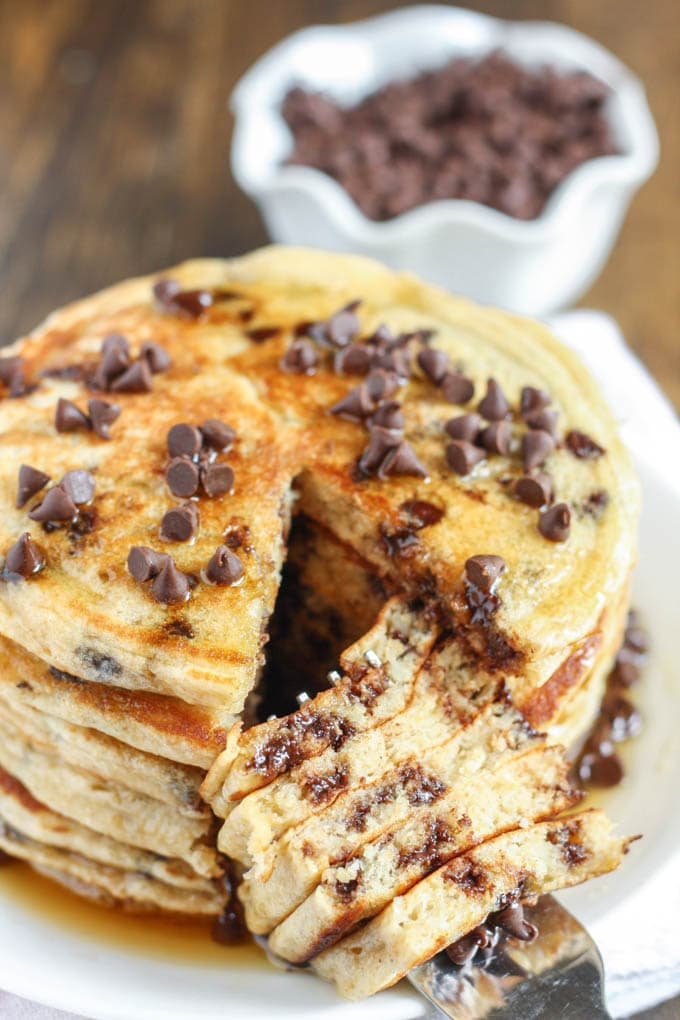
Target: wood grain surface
{"type": "Point", "coordinates": [114, 146]}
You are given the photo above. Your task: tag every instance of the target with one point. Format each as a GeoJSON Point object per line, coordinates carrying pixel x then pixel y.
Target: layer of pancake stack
{"type": "Point", "coordinates": [360, 496]}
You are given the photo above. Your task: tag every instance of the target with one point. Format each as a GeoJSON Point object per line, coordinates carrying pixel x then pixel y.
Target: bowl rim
{"type": "Point", "coordinates": [252, 99]}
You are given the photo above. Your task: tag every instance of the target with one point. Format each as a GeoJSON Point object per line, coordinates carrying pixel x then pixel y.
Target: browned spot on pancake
{"type": "Point", "coordinates": [11, 785]}
{"type": "Point", "coordinates": [540, 706]}
{"type": "Point", "coordinates": [333, 933]}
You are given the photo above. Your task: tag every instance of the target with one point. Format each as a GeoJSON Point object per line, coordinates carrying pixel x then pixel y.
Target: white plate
{"type": "Point", "coordinates": [64, 968]}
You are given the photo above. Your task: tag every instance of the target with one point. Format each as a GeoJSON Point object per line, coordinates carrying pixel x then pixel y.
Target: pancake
{"type": "Point", "coordinates": [86, 615]}
{"type": "Point", "coordinates": [107, 807]}
{"type": "Point", "coordinates": [35, 821]}
{"type": "Point", "coordinates": [155, 723]}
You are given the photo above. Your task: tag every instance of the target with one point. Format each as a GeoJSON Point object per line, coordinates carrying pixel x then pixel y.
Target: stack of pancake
{"type": "Point", "coordinates": [181, 437]}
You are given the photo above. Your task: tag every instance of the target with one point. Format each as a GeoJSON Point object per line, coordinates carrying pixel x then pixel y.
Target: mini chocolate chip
{"type": "Point", "coordinates": [545, 419]}
{"type": "Point", "coordinates": [12, 375]}
{"type": "Point", "coordinates": [513, 921]}
{"type": "Point", "coordinates": [396, 361]}
{"type": "Point", "coordinates": [170, 585]}
{"type": "Point", "coordinates": [465, 426]}
{"type": "Point", "coordinates": [389, 415]}
{"type": "Point", "coordinates": [30, 481]}
{"type": "Point", "coordinates": [582, 446]}
{"type": "Point", "coordinates": [343, 326]}
{"type": "Point", "coordinates": [535, 490]}
{"type": "Point", "coordinates": [182, 477]}
{"type": "Point", "coordinates": [25, 558]}
{"type": "Point", "coordinates": [157, 357]}
{"type": "Point", "coordinates": [434, 363]}
{"type": "Point", "coordinates": [135, 379]}
{"type": "Point", "coordinates": [462, 456]}
{"type": "Point", "coordinates": [102, 414]}
{"type": "Point", "coordinates": [184, 440]}
{"type": "Point", "coordinates": [68, 417]}
{"type": "Point", "coordinates": [353, 360]}
{"type": "Point", "coordinates": [536, 448]}
{"type": "Point", "coordinates": [300, 358]}
{"type": "Point", "coordinates": [494, 405]}
{"type": "Point", "coordinates": [420, 513]}
{"type": "Point", "coordinates": [180, 523]}
{"type": "Point", "coordinates": [193, 303]}
{"type": "Point", "coordinates": [554, 523]}
{"type": "Point", "coordinates": [217, 479]}
{"type": "Point", "coordinates": [354, 407]}
{"type": "Point", "coordinates": [380, 442]}
{"type": "Point", "coordinates": [496, 437]}
{"type": "Point", "coordinates": [165, 291]}
{"type": "Point", "coordinates": [635, 637]}
{"type": "Point", "coordinates": [261, 333]}
{"type": "Point", "coordinates": [484, 570]}
{"type": "Point", "coordinates": [144, 563]}
{"type": "Point", "coordinates": [115, 360]}
{"type": "Point", "coordinates": [533, 399]}
{"type": "Point", "coordinates": [79, 485]}
{"type": "Point", "coordinates": [217, 434]}
{"type": "Point", "coordinates": [56, 506]}
{"type": "Point", "coordinates": [225, 567]}
{"type": "Point", "coordinates": [115, 342]}
{"type": "Point", "coordinates": [457, 388]}
{"type": "Point", "coordinates": [380, 385]}
{"type": "Point", "coordinates": [402, 460]}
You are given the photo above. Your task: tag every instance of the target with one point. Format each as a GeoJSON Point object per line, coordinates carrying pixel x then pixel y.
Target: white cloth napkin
{"type": "Point", "coordinates": [640, 947]}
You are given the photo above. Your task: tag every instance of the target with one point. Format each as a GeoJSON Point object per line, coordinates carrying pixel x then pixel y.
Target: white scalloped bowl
{"type": "Point", "coordinates": [534, 267]}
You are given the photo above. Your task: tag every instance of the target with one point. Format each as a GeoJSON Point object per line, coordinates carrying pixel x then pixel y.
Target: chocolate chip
{"type": "Point", "coordinates": [12, 375]}
{"type": "Point", "coordinates": [144, 563]}
{"type": "Point", "coordinates": [170, 585]}
{"type": "Point", "coordinates": [389, 415]}
{"type": "Point", "coordinates": [534, 490]}
{"type": "Point", "coordinates": [380, 442]}
{"type": "Point", "coordinates": [24, 558]}
{"type": "Point", "coordinates": [79, 485]}
{"type": "Point", "coordinates": [545, 420]}
{"type": "Point", "coordinates": [217, 479]}
{"type": "Point", "coordinates": [554, 523]}
{"type": "Point", "coordinates": [380, 385]}
{"type": "Point", "coordinates": [465, 426]}
{"type": "Point", "coordinates": [182, 477]}
{"type": "Point", "coordinates": [184, 440]}
{"type": "Point", "coordinates": [532, 399]}
{"type": "Point", "coordinates": [493, 406]}
{"type": "Point", "coordinates": [56, 506]}
{"type": "Point", "coordinates": [225, 567]}
{"type": "Point", "coordinates": [513, 921]}
{"type": "Point", "coordinates": [462, 456]}
{"type": "Point", "coordinates": [483, 571]}
{"type": "Point", "coordinates": [115, 342]}
{"type": "Point", "coordinates": [115, 361]}
{"type": "Point", "coordinates": [355, 359]}
{"type": "Point", "coordinates": [170, 296]}
{"type": "Point", "coordinates": [217, 434]}
{"type": "Point", "coordinates": [457, 388]}
{"type": "Point", "coordinates": [180, 523]}
{"type": "Point", "coordinates": [300, 358]}
{"type": "Point", "coordinates": [421, 513]}
{"type": "Point", "coordinates": [156, 356]}
{"type": "Point", "coordinates": [30, 481]}
{"type": "Point", "coordinates": [402, 460]}
{"type": "Point", "coordinates": [102, 414]}
{"type": "Point", "coordinates": [68, 417]}
{"type": "Point", "coordinates": [165, 290]}
{"type": "Point", "coordinates": [343, 326]}
{"type": "Point", "coordinates": [536, 448]}
{"type": "Point", "coordinates": [135, 379]}
{"type": "Point", "coordinates": [261, 333]}
{"type": "Point", "coordinates": [582, 446]}
{"type": "Point", "coordinates": [356, 406]}
{"type": "Point", "coordinates": [434, 363]}
{"type": "Point", "coordinates": [496, 437]}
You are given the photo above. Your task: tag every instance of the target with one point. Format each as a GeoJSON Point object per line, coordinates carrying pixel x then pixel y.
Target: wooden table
{"type": "Point", "coordinates": [114, 146]}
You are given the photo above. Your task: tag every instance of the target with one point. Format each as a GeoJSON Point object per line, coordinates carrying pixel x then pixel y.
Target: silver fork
{"type": "Point", "coordinates": [558, 976]}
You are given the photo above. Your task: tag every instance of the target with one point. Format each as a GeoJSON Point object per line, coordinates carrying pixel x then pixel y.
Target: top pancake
{"type": "Point", "coordinates": [85, 614]}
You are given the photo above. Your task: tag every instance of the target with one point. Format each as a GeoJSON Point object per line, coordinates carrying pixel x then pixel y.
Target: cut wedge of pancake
{"type": "Point", "coordinates": [433, 765]}
{"type": "Point", "coordinates": [518, 865]}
